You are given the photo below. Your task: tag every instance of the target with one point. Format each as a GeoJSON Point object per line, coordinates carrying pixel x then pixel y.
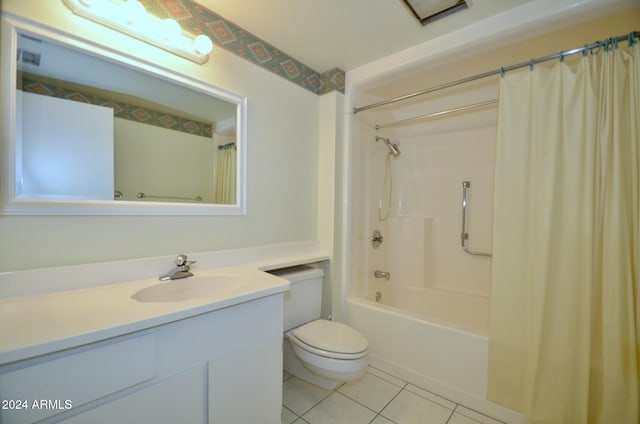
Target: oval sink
{"type": "Point", "coordinates": [191, 288]}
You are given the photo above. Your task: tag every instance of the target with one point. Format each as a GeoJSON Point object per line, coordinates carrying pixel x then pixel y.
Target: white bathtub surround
{"type": "Point", "coordinates": [431, 323]}
{"type": "Point", "coordinates": [454, 309]}
{"type": "Point", "coordinates": [441, 359]}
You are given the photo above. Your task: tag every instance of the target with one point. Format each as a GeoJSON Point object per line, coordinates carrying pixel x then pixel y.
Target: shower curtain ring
{"type": "Point", "coordinates": [598, 48]}
{"type": "Point", "coordinates": [533, 62]}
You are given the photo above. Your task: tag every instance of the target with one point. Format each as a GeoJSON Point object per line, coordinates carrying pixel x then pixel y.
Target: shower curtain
{"type": "Point", "coordinates": [564, 343]}
{"type": "Point", "coordinates": [226, 176]}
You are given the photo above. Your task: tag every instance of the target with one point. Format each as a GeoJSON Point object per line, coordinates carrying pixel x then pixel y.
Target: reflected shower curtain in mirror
{"type": "Point", "coordinates": [226, 176]}
{"type": "Point", "coordinates": [565, 320]}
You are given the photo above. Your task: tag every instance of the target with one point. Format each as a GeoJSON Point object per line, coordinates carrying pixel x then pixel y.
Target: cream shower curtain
{"type": "Point", "coordinates": [564, 344]}
{"type": "Point", "coordinates": [226, 176]}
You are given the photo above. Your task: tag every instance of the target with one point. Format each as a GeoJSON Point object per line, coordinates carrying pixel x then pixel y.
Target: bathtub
{"type": "Point", "coordinates": [427, 345]}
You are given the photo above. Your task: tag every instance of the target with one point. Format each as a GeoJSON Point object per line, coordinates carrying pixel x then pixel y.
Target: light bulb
{"type": "Point", "coordinates": [202, 44]}
{"type": "Point", "coordinates": [134, 11]}
{"type": "Point", "coordinates": [131, 17]}
{"type": "Point", "coordinates": [171, 29]}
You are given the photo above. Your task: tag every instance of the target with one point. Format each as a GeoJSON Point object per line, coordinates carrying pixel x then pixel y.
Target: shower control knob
{"type": "Point", "coordinates": [376, 239]}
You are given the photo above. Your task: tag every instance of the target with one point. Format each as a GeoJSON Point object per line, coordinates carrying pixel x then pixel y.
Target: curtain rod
{"type": "Point", "coordinates": [597, 44]}
{"type": "Point", "coordinates": [434, 114]}
{"type": "Point", "coordinates": [227, 146]}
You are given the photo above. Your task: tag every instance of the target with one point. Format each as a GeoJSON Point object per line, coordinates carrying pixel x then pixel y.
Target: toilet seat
{"type": "Point", "coordinates": [330, 339]}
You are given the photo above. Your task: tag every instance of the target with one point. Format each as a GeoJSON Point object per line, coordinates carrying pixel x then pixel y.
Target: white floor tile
{"type": "Point", "coordinates": [381, 420]}
{"type": "Point", "coordinates": [385, 376]}
{"type": "Point", "coordinates": [409, 408]}
{"type": "Point", "coordinates": [431, 396]}
{"type": "Point", "coordinates": [461, 419]}
{"type": "Point", "coordinates": [476, 416]}
{"type": "Point", "coordinates": [338, 409]}
{"type": "Point", "coordinates": [371, 391]}
{"type": "Point", "coordinates": [359, 401]}
{"type": "Point", "coordinates": [287, 417]}
{"type": "Point", "coordinates": [300, 396]}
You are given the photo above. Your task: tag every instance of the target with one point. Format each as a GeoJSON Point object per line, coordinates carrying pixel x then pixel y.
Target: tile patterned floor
{"type": "Point", "coordinates": [376, 398]}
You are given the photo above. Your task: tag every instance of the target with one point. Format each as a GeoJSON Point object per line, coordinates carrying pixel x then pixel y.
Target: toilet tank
{"type": "Point", "coordinates": [303, 301]}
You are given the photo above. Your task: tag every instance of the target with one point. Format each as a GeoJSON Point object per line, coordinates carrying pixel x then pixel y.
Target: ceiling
{"type": "Point", "coordinates": [324, 34]}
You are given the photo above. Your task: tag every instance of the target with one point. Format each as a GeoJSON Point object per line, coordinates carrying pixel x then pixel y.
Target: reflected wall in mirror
{"type": "Point", "coordinates": [100, 132]}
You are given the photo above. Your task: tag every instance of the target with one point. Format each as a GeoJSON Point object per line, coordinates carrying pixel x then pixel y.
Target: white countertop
{"type": "Point", "coordinates": [36, 325]}
{"type": "Point", "coordinates": [51, 309]}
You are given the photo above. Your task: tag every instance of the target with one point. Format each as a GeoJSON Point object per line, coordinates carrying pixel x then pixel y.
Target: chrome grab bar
{"type": "Point", "coordinates": [142, 195]}
{"type": "Point", "coordinates": [464, 235]}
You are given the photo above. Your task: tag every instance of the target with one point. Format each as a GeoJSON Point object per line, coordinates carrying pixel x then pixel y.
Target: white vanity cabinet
{"type": "Point", "coordinates": [223, 366]}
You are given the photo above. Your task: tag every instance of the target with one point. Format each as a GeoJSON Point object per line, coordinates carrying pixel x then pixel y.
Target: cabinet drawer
{"type": "Point", "coordinates": [177, 399]}
{"type": "Point", "coordinates": [83, 375]}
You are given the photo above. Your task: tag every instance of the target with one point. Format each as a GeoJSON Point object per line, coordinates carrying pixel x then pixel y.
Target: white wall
{"type": "Point", "coordinates": [176, 163]}
{"type": "Point", "coordinates": [282, 176]}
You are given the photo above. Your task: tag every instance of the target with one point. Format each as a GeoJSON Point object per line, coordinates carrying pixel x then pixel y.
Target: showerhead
{"type": "Point", "coordinates": [393, 148]}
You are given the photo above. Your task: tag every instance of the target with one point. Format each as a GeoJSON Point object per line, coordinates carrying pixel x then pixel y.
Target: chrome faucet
{"type": "Point", "coordinates": [382, 274]}
{"type": "Point", "coordinates": [181, 270]}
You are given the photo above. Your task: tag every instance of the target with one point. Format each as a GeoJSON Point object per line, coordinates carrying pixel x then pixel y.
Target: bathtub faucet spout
{"type": "Point", "coordinates": [382, 274]}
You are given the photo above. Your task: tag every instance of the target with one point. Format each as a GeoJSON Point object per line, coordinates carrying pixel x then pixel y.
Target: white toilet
{"type": "Point", "coordinates": [325, 353]}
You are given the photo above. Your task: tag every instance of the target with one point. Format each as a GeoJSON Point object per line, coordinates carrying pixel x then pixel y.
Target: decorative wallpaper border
{"type": "Point", "coordinates": [229, 36]}
{"type": "Point", "coordinates": [142, 114]}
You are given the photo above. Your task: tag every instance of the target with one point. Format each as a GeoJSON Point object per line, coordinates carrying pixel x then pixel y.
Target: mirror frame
{"type": "Point", "coordinates": [12, 204]}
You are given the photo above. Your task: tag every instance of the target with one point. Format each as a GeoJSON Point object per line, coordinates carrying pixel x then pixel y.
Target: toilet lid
{"type": "Point", "coordinates": [331, 336]}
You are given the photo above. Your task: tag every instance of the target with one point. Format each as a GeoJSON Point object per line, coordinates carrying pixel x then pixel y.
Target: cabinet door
{"type": "Point", "coordinates": [177, 399]}
{"type": "Point", "coordinates": [76, 378]}
{"type": "Point", "coordinates": [245, 385]}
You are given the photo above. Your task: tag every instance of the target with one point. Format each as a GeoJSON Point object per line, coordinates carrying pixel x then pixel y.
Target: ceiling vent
{"type": "Point", "coordinates": [426, 11]}
{"type": "Point", "coordinates": [29, 51]}
{"type": "Point", "coordinates": [30, 57]}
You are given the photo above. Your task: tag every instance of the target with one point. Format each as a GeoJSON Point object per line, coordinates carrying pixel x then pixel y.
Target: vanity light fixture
{"type": "Point", "coordinates": [130, 17]}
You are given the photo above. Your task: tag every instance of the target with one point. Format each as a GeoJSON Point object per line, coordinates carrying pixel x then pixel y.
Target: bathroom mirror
{"type": "Point", "coordinates": [87, 130]}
